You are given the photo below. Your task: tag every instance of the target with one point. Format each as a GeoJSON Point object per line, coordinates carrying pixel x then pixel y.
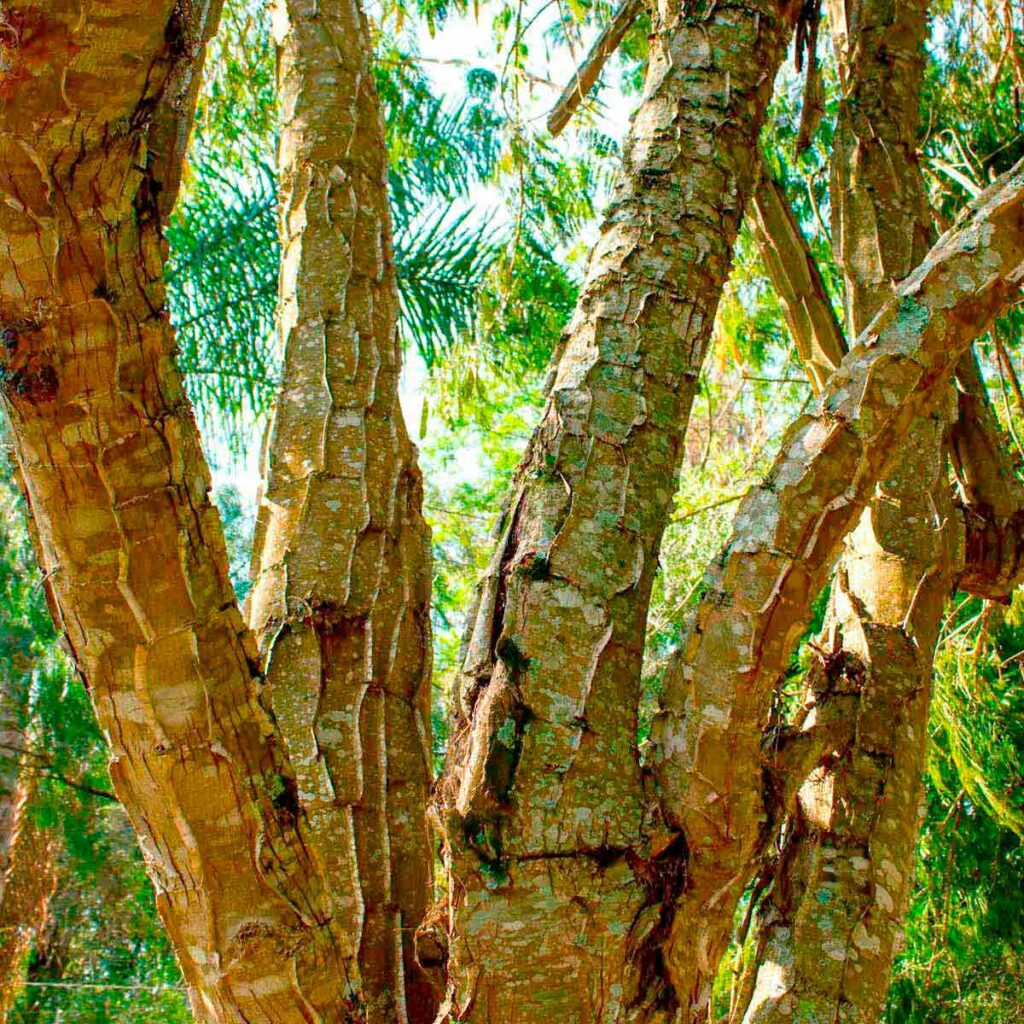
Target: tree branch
{"type": "Point", "coordinates": [785, 539]}
{"type": "Point", "coordinates": [797, 280]}
{"type": "Point", "coordinates": [589, 71]}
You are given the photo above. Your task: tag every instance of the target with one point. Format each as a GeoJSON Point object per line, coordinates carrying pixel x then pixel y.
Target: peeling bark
{"type": "Point", "coordinates": [797, 281]}
{"type": "Point", "coordinates": [786, 536]}
{"type": "Point", "coordinates": [98, 106]}
{"type": "Point", "coordinates": [992, 493]}
{"type": "Point", "coordinates": [341, 562]}
{"type": "Point", "coordinates": [557, 876]}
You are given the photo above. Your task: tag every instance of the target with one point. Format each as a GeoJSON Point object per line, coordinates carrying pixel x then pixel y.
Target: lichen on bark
{"type": "Point", "coordinates": [557, 868]}
{"type": "Point", "coordinates": [341, 561]}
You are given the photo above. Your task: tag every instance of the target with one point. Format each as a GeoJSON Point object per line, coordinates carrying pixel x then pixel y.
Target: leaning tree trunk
{"type": "Point", "coordinates": [835, 911]}
{"type": "Point", "coordinates": [12, 741]}
{"type": "Point", "coordinates": [90, 153]}
{"type": "Point", "coordinates": [555, 864]}
{"type": "Point", "coordinates": [711, 751]}
{"type": "Point", "coordinates": [341, 562]}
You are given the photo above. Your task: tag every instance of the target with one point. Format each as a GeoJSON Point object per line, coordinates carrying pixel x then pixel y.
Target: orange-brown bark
{"type": "Point", "coordinates": [97, 106]}
{"type": "Point", "coordinates": [795, 276]}
{"type": "Point", "coordinates": [786, 536]}
{"type": "Point", "coordinates": [992, 496]}
{"type": "Point", "coordinates": [341, 564]}
{"type": "Point", "coordinates": [29, 882]}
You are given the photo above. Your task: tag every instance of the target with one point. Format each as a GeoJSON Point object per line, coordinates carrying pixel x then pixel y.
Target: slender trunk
{"type": "Point", "coordinates": [787, 533]}
{"type": "Point", "coordinates": [342, 563]}
{"type": "Point", "coordinates": [31, 879]}
{"type": "Point", "coordinates": [859, 822]}
{"type": "Point", "coordinates": [12, 737]}
{"type": "Point", "coordinates": [89, 161]}
{"type": "Point", "coordinates": [556, 872]}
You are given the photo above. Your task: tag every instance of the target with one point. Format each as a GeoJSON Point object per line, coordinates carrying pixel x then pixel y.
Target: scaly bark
{"type": "Point", "coordinates": [555, 871]}
{"type": "Point", "coordinates": [90, 150]}
{"type": "Point", "coordinates": [341, 563]}
{"type": "Point", "coordinates": [31, 879]}
{"type": "Point", "coordinates": [786, 536]}
{"type": "Point", "coordinates": [793, 271]}
{"type": "Point", "coordinates": [858, 823]}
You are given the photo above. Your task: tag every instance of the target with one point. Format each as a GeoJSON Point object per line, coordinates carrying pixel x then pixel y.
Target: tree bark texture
{"type": "Point", "coordinates": [992, 495]}
{"type": "Point", "coordinates": [342, 562]}
{"type": "Point", "coordinates": [28, 885]}
{"type": "Point", "coordinates": [96, 111]}
{"type": "Point", "coordinates": [556, 871]}
{"type": "Point", "coordinates": [786, 536]}
{"type": "Point", "coordinates": [858, 822]}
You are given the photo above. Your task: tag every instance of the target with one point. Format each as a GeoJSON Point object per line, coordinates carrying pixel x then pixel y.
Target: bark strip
{"type": "Point", "coordinates": [341, 562]}
{"type": "Point", "coordinates": [797, 281]}
{"type": "Point", "coordinates": [991, 491]}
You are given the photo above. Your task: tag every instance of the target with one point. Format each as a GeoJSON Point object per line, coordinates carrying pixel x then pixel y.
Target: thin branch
{"type": "Point", "coordinates": [589, 72]}
{"type": "Point", "coordinates": [45, 768]}
{"type": "Point", "coordinates": [797, 280]}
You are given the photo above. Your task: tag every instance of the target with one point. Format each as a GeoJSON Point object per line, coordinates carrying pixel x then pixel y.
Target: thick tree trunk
{"type": "Point", "coordinates": [342, 563]}
{"type": "Point", "coordinates": [115, 477]}
{"type": "Point", "coordinates": [787, 532]}
{"type": "Point", "coordinates": [556, 871]}
{"type": "Point", "coordinates": [846, 891]}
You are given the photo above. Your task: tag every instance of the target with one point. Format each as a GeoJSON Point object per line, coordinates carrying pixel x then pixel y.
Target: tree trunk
{"type": "Point", "coordinates": [31, 879]}
{"type": "Point", "coordinates": [12, 736]}
{"type": "Point", "coordinates": [342, 562]}
{"type": "Point", "coordinates": [555, 866]}
{"type": "Point", "coordinates": [89, 161]}
{"type": "Point", "coordinates": [858, 823]}
{"type": "Point", "coordinates": [787, 532]}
